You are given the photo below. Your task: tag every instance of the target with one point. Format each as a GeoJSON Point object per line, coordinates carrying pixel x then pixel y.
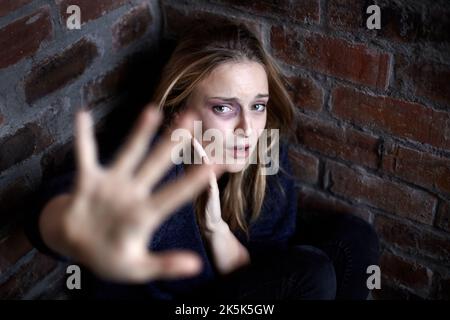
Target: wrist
{"type": "Point", "coordinates": [218, 227]}
{"type": "Point", "coordinates": [53, 225]}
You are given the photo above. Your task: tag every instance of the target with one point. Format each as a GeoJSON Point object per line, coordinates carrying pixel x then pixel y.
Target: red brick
{"type": "Point", "coordinates": [421, 168]}
{"type": "Point", "coordinates": [29, 140]}
{"type": "Point", "coordinates": [383, 194]}
{"type": "Point", "coordinates": [443, 217]}
{"type": "Point", "coordinates": [131, 26]}
{"type": "Point", "coordinates": [305, 166]}
{"type": "Point", "coordinates": [106, 87]}
{"type": "Point", "coordinates": [347, 14]}
{"type": "Point", "coordinates": [57, 160]}
{"type": "Point", "coordinates": [413, 238]}
{"type": "Point", "coordinates": [90, 10]}
{"type": "Point", "coordinates": [406, 272]}
{"type": "Point", "coordinates": [303, 11]}
{"type": "Point", "coordinates": [335, 57]}
{"type": "Point", "coordinates": [397, 23]}
{"type": "Point", "coordinates": [27, 276]}
{"type": "Point", "coordinates": [337, 142]}
{"type": "Point", "coordinates": [390, 290]}
{"type": "Point", "coordinates": [402, 23]}
{"type": "Point", "coordinates": [414, 24]}
{"type": "Point", "coordinates": [427, 78]}
{"type": "Point", "coordinates": [306, 94]}
{"type": "Point", "coordinates": [57, 71]}
{"type": "Point", "coordinates": [178, 21]}
{"type": "Point", "coordinates": [8, 6]}
{"type": "Point", "coordinates": [317, 201]}
{"type": "Point", "coordinates": [12, 248]}
{"type": "Point", "coordinates": [401, 118]}
{"type": "Point", "coordinates": [23, 37]}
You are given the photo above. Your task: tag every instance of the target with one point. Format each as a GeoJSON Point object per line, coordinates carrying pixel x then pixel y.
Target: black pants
{"type": "Point", "coordinates": [328, 260]}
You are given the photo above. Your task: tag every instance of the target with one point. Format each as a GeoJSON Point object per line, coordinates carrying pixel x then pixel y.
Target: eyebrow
{"type": "Point", "coordinates": [260, 95]}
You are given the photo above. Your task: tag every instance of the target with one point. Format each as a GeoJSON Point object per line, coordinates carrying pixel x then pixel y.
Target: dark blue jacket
{"type": "Point", "coordinates": [271, 231]}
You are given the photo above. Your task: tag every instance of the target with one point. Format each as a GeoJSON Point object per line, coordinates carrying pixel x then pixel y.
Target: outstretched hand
{"type": "Point", "coordinates": [110, 217]}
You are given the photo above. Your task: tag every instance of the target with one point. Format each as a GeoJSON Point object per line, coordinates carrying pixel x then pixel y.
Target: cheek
{"type": "Point", "coordinates": [260, 125]}
{"type": "Point", "coordinates": [209, 121]}
{"type": "Point", "coordinates": [220, 126]}
{"type": "Point", "coordinates": [261, 122]}
{"type": "Point", "coordinates": [217, 124]}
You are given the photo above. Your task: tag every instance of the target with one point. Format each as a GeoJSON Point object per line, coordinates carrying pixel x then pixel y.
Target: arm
{"type": "Point", "coordinates": [51, 223]}
{"type": "Point", "coordinates": [50, 192]}
{"type": "Point", "coordinates": [228, 253]}
{"type": "Point", "coordinates": [106, 221]}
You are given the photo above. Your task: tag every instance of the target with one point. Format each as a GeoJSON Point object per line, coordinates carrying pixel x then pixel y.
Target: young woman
{"type": "Point", "coordinates": [235, 239]}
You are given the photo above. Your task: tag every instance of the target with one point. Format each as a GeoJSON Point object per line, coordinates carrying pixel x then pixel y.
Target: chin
{"type": "Point", "coordinates": [234, 168]}
{"type": "Point", "coordinates": [238, 164]}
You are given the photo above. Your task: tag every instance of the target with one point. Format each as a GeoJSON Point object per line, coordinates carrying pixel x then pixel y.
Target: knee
{"type": "Point", "coordinates": [360, 236]}
{"type": "Point", "coordinates": [319, 277]}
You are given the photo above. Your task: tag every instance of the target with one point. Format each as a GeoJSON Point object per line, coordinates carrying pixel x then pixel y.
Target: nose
{"type": "Point", "coordinates": [244, 126]}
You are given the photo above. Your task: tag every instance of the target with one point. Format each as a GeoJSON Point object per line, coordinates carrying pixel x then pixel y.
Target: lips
{"type": "Point", "coordinates": [240, 151]}
{"type": "Point", "coordinates": [240, 148]}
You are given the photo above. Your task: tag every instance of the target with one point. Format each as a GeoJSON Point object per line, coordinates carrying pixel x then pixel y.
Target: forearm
{"type": "Point", "coordinates": [51, 224]}
{"type": "Point", "coordinates": [228, 253]}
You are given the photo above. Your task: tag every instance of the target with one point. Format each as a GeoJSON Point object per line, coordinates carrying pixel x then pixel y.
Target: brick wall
{"type": "Point", "coordinates": [373, 114]}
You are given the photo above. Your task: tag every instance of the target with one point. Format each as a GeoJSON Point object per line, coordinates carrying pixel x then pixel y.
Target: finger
{"type": "Point", "coordinates": [136, 146]}
{"type": "Point", "coordinates": [160, 159]}
{"type": "Point", "coordinates": [85, 146]}
{"type": "Point", "coordinates": [171, 265]}
{"type": "Point", "coordinates": [200, 151]}
{"type": "Point", "coordinates": [214, 187]}
{"type": "Point", "coordinates": [175, 194]}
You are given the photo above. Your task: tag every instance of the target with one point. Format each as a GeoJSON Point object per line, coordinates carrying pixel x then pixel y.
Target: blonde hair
{"type": "Point", "coordinates": [199, 51]}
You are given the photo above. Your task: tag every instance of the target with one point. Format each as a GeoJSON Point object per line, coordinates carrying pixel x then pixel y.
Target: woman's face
{"type": "Point", "coordinates": [232, 99]}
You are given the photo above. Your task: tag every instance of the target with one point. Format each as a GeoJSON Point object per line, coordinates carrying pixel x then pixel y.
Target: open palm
{"type": "Point", "coordinates": [113, 212]}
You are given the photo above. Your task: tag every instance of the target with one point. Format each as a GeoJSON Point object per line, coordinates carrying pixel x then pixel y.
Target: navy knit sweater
{"type": "Point", "coordinates": [273, 230]}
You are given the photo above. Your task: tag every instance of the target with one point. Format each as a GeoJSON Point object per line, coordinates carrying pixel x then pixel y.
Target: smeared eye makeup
{"type": "Point", "coordinates": [230, 107]}
{"type": "Point", "coordinates": [224, 109]}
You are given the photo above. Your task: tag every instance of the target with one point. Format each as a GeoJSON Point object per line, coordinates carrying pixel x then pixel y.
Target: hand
{"type": "Point", "coordinates": [109, 219]}
{"type": "Point", "coordinates": [213, 212]}
{"type": "Point", "coordinates": [228, 253]}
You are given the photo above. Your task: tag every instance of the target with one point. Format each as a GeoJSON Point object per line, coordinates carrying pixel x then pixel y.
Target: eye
{"type": "Point", "coordinates": [259, 107]}
{"type": "Point", "coordinates": [222, 109]}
